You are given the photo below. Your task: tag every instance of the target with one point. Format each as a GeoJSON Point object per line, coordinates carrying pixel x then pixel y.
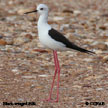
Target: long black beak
{"type": "Point", "coordinates": [31, 12]}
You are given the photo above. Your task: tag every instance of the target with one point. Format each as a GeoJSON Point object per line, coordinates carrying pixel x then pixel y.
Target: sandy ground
{"type": "Point", "coordinates": [26, 74]}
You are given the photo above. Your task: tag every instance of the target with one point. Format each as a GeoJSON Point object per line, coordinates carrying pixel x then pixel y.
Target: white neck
{"type": "Point", "coordinates": [43, 22]}
{"type": "Point", "coordinates": [43, 19]}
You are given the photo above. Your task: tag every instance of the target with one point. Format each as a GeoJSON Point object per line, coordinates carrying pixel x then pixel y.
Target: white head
{"type": "Point", "coordinates": [41, 9]}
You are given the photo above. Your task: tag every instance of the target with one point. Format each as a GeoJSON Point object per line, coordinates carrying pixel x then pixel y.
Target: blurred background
{"type": "Point", "coordinates": [26, 68]}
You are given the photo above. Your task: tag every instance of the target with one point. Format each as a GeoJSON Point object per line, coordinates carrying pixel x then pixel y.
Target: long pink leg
{"type": "Point", "coordinates": [56, 68]}
{"type": "Point", "coordinates": [58, 76]}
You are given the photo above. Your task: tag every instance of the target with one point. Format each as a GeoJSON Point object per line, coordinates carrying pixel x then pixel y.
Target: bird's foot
{"type": "Point", "coordinates": [50, 100]}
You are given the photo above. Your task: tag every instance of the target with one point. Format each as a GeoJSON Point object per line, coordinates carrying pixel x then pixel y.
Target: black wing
{"type": "Point", "coordinates": [60, 38]}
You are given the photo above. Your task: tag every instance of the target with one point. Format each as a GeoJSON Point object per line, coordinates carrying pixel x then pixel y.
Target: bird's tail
{"type": "Point", "coordinates": [75, 47]}
{"type": "Point", "coordinates": [85, 51]}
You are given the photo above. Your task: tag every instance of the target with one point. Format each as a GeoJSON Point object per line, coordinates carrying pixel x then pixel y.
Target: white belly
{"type": "Point", "coordinates": [48, 42]}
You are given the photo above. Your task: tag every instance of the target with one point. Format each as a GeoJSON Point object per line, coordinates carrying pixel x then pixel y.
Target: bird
{"type": "Point", "coordinates": [54, 40]}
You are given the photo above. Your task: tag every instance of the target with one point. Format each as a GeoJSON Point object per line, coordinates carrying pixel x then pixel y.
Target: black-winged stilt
{"type": "Point", "coordinates": [54, 40]}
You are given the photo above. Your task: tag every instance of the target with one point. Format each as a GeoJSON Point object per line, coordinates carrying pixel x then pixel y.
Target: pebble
{"type": "Point", "coordinates": [100, 45]}
{"type": "Point", "coordinates": [106, 42]}
{"type": "Point", "coordinates": [106, 35]}
{"type": "Point", "coordinates": [15, 70]}
{"type": "Point", "coordinates": [1, 80]}
{"type": "Point", "coordinates": [68, 11]}
{"type": "Point", "coordinates": [58, 18]}
{"type": "Point", "coordinates": [102, 27]}
{"type": "Point", "coordinates": [64, 26]}
{"type": "Point", "coordinates": [99, 89]}
{"type": "Point", "coordinates": [2, 48]}
{"type": "Point", "coordinates": [29, 55]}
{"type": "Point", "coordinates": [28, 77]}
{"type": "Point", "coordinates": [22, 39]}
{"type": "Point", "coordinates": [105, 58]}
{"type": "Point", "coordinates": [19, 41]}
{"type": "Point", "coordinates": [9, 41]}
{"type": "Point", "coordinates": [88, 59]}
{"type": "Point", "coordinates": [20, 99]}
{"type": "Point", "coordinates": [78, 35]}
{"type": "Point", "coordinates": [88, 40]}
{"type": "Point", "coordinates": [1, 37]}
{"type": "Point", "coordinates": [13, 49]}
{"type": "Point", "coordinates": [106, 69]}
{"type": "Point", "coordinates": [77, 12]}
{"type": "Point", "coordinates": [44, 75]}
{"type": "Point", "coordinates": [98, 51]}
{"type": "Point", "coordinates": [11, 18]}
{"type": "Point", "coordinates": [2, 42]}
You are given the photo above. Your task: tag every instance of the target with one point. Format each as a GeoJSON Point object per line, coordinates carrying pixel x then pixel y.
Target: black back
{"type": "Point", "coordinates": [60, 38]}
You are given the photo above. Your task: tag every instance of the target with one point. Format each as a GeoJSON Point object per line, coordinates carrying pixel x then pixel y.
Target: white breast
{"type": "Point", "coordinates": [47, 41]}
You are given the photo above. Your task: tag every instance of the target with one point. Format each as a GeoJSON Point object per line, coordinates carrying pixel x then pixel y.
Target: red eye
{"type": "Point", "coordinates": [41, 8]}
